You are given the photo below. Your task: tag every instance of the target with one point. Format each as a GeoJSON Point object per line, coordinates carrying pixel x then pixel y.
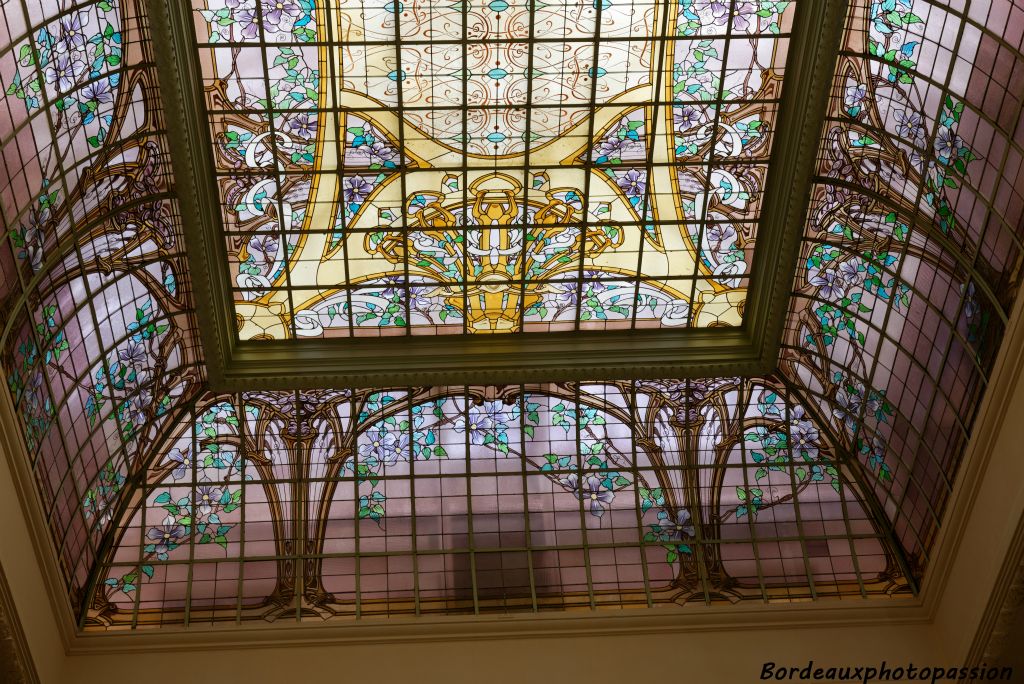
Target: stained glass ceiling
{"type": "Point", "coordinates": [173, 503]}
{"type": "Point", "coordinates": [390, 168]}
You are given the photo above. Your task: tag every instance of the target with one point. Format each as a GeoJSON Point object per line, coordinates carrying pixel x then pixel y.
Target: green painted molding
{"type": "Point", "coordinates": [751, 349]}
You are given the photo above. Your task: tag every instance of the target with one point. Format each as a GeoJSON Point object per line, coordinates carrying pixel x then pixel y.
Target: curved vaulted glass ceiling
{"type": "Point", "coordinates": [173, 505]}
{"type": "Point", "coordinates": [448, 168]}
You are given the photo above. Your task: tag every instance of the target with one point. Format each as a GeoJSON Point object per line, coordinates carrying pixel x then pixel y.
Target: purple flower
{"type": "Point", "coordinates": [207, 497]}
{"type": "Point", "coordinates": [133, 353]}
{"type": "Point", "coordinates": [395, 287]}
{"type": "Point", "coordinates": [385, 446]}
{"type": "Point", "coordinates": [719, 234]}
{"type": "Point", "coordinates": [831, 285]}
{"type": "Point", "coordinates": [909, 125]}
{"type": "Point", "coordinates": [744, 11]}
{"type": "Point", "coordinates": [480, 421]}
{"type": "Point", "coordinates": [616, 148]}
{"type": "Point", "coordinates": [98, 91]}
{"type": "Point", "coordinates": [64, 71]}
{"type": "Point", "coordinates": [719, 10]}
{"type": "Point", "coordinates": [595, 495]}
{"type": "Point", "coordinates": [803, 434]}
{"type": "Point", "coordinates": [72, 36]}
{"type": "Point", "coordinates": [677, 527]}
{"type": "Point", "coordinates": [971, 306]}
{"type": "Point", "coordinates": [595, 287]}
{"type": "Point", "coordinates": [847, 407]}
{"type": "Point", "coordinates": [302, 126]}
{"type": "Point", "coordinates": [357, 189]}
{"type": "Point", "coordinates": [719, 13]}
{"type": "Point", "coordinates": [947, 145]}
{"type": "Point", "coordinates": [265, 245]}
{"type": "Point", "coordinates": [855, 94]}
{"type": "Point", "coordinates": [419, 298]}
{"type": "Point", "coordinates": [248, 23]}
{"type": "Point", "coordinates": [685, 118]}
{"type": "Point", "coordinates": [633, 183]}
{"type": "Point", "coordinates": [850, 271]}
{"type": "Point", "coordinates": [184, 461]}
{"type": "Point", "coordinates": [166, 536]}
{"type": "Point", "coordinates": [32, 237]}
{"type": "Point", "coordinates": [381, 153]}
{"type": "Point", "coordinates": [280, 15]}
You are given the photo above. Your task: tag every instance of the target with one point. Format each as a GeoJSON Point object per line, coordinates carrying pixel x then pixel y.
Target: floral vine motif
{"type": "Point", "coordinates": [126, 376]}
{"type": "Point", "coordinates": [239, 20]}
{"type": "Point", "coordinates": [28, 238]}
{"type": "Point", "coordinates": [625, 142]}
{"type": "Point", "coordinates": [713, 204]}
{"type": "Point", "coordinates": [73, 63]}
{"type": "Point", "coordinates": [76, 54]}
{"type": "Point", "coordinates": [99, 499]}
{"type": "Point", "coordinates": [183, 513]}
{"type": "Point", "coordinates": [711, 17]}
{"type": "Point", "coordinates": [27, 384]}
{"type": "Point", "coordinates": [437, 428]}
{"type": "Point", "coordinates": [786, 441]}
{"type": "Point", "coordinates": [852, 274]}
{"type": "Point", "coordinates": [366, 146]}
{"type": "Point", "coordinates": [599, 298]}
{"type": "Point", "coordinates": [264, 206]}
{"type": "Point", "coordinates": [774, 434]}
{"type": "Point", "coordinates": [892, 40]}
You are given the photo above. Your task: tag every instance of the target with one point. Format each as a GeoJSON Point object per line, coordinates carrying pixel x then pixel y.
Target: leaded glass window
{"type": "Point", "coordinates": [391, 168]}
{"type": "Point", "coordinates": [172, 502]}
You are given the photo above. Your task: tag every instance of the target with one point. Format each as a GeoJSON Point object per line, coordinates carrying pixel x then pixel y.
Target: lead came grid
{"type": "Point", "coordinates": [933, 361]}
{"type": "Point", "coordinates": [428, 169]}
{"type": "Point", "coordinates": [491, 499]}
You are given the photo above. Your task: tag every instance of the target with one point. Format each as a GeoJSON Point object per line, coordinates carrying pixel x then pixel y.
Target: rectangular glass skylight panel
{"type": "Point", "coordinates": [424, 168]}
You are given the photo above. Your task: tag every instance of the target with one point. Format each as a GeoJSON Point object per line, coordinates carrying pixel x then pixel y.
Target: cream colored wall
{"type": "Point", "coordinates": [996, 516]}
{"type": "Point", "coordinates": [709, 658]}
{"type": "Point", "coordinates": [18, 559]}
{"type": "Point", "coordinates": [961, 578]}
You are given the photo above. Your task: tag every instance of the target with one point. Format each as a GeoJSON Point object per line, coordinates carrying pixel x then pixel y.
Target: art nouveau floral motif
{"type": "Point", "coordinates": [780, 451]}
{"type": "Point", "coordinates": [592, 461]}
{"type": "Point", "coordinates": [101, 362]}
{"type": "Point", "coordinates": [265, 205]}
{"type": "Point", "coordinates": [73, 63]}
{"type": "Point", "coordinates": [854, 273]}
{"type": "Point", "coordinates": [71, 60]}
{"type": "Point", "coordinates": [441, 429]}
{"type": "Point", "coordinates": [106, 335]}
{"type": "Point", "coordinates": [198, 499]}
{"type": "Point", "coordinates": [624, 142]}
{"type": "Point", "coordinates": [718, 199]}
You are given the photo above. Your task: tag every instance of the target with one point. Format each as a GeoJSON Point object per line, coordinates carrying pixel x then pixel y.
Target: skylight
{"type": "Point", "coordinates": [301, 492]}
{"type": "Point", "coordinates": [423, 168]}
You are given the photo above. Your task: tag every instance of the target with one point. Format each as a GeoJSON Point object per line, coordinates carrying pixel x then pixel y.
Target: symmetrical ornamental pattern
{"type": "Point", "coordinates": [423, 168]}
{"type": "Point", "coordinates": [338, 503]}
{"type": "Point", "coordinates": [169, 504]}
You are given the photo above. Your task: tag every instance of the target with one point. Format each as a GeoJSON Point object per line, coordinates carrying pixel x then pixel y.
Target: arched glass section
{"type": "Point", "coordinates": [338, 504]}
{"type": "Point", "coordinates": [912, 247]}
